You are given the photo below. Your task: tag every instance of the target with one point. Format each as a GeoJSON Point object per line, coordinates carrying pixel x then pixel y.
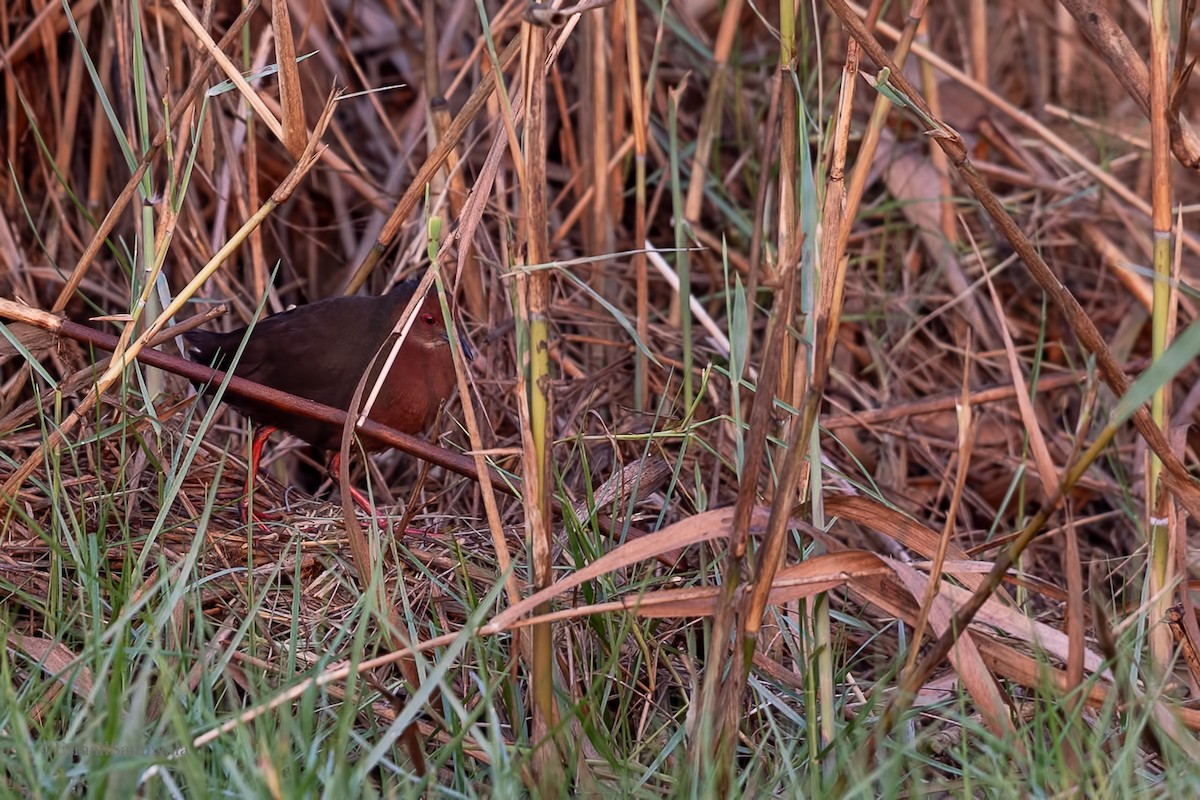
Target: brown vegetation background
{"type": "Point", "coordinates": [936, 313]}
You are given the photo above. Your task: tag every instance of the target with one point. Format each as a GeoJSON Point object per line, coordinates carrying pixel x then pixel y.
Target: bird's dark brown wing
{"type": "Point", "coordinates": [318, 351]}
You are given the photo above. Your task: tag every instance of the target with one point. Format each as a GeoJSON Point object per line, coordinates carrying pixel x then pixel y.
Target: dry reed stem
{"type": "Point", "coordinates": [537, 464]}
{"type": "Point", "coordinates": [295, 128]}
{"type": "Point", "coordinates": [432, 164]}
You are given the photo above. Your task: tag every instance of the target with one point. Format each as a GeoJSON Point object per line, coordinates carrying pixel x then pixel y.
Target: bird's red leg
{"type": "Point", "coordinates": [362, 502]}
{"type": "Point", "coordinates": [256, 448]}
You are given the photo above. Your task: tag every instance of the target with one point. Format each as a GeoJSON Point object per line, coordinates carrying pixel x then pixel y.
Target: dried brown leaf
{"type": "Point", "coordinates": [56, 659]}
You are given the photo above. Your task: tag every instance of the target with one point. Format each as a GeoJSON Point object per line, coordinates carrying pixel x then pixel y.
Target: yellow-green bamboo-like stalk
{"type": "Point", "coordinates": [1157, 502]}
{"type": "Point", "coordinates": [147, 304]}
{"type": "Point", "coordinates": [538, 474]}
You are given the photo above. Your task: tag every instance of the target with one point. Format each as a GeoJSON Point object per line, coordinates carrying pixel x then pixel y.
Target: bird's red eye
{"type": "Point", "coordinates": [429, 319]}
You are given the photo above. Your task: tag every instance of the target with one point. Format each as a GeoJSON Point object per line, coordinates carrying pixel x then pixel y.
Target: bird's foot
{"type": "Point", "coordinates": [422, 534]}
{"type": "Point", "coordinates": [258, 517]}
{"type": "Point", "coordinates": [362, 502]}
